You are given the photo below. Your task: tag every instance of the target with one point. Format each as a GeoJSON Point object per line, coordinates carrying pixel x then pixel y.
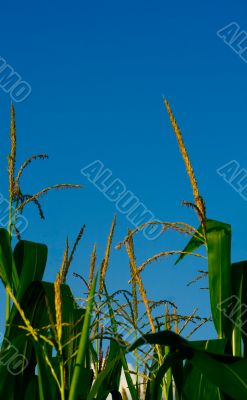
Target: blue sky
{"type": "Point", "coordinates": [98, 72]}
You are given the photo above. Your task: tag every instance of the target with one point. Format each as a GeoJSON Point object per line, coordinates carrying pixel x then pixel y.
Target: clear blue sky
{"type": "Point", "coordinates": [98, 72]}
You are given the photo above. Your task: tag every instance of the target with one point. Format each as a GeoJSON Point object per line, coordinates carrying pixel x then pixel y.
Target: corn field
{"type": "Point", "coordinates": [55, 348]}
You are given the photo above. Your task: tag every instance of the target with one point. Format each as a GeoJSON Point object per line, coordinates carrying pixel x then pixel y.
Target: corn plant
{"type": "Point", "coordinates": [55, 349]}
{"type": "Point", "coordinates": [207, 369]}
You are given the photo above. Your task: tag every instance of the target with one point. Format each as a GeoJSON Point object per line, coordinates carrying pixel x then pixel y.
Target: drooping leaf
{"type": "Point", "coordinates": [203, 389]}
{"type": "Point", "coordinates": [227, 372]}
{"type": "Point", "coordinates": [30, 260]}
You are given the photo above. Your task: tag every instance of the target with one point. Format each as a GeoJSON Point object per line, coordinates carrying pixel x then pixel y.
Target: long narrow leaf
{"type": "Point", "coordinates": [80, 359]}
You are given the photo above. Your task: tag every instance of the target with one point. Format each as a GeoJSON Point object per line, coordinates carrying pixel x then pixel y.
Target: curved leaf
{"type": "Point", "coordinates": [227, 372]}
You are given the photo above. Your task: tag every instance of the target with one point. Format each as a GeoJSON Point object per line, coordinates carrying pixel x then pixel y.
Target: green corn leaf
{"type": "Point", "coordinates": [113, 379]}
{"type": "Point", "coordinates": [46, 384]}
{"type": "Point", "coordinates": [32, 390]}
{"type": "Point", "coordinates": [236, 310]}
{"type": "Point", "coordinates": [204, 389]}
{"type": "Point", "coordinates": [170, 361]}
{"type": "Point", "coordinates": [107, 381]}
{"type": "Point", "coordinates": [30, 260]}
{"type": "Point", "coordinates": [11, 384]}
{"type": "Point", "coordinates": [6, 258]}
{"type": "Point", "coordinates": [38, 306]}
{"type": "Point", "coordinates": [226, 372]}
{"type": "Point", "coordinates": [83, 345]}
{"type": "Point", "coordinates": [100, 379]}
{"type": "Point", "coordinates": [151, 379]}
{"type": "Point", "coordinates": [219, 274]}
{"type": "Point", "coordinates": [218, 240]}
{"type": "Point", "coordinates": [194, 243]}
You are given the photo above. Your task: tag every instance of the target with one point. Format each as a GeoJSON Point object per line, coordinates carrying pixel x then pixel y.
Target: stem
{"type": "Point", "coordinates": [7, 308]}
{"type": "Point", "coordinates": [83, 345]}
{"type": "Point", "coordinates": [62, 385]}
{"type": "Point", "coordinates": [7, 312]}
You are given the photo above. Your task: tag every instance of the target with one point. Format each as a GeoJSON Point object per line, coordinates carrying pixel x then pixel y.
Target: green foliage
{"type": "Point", "coordinates": [54, 349]}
